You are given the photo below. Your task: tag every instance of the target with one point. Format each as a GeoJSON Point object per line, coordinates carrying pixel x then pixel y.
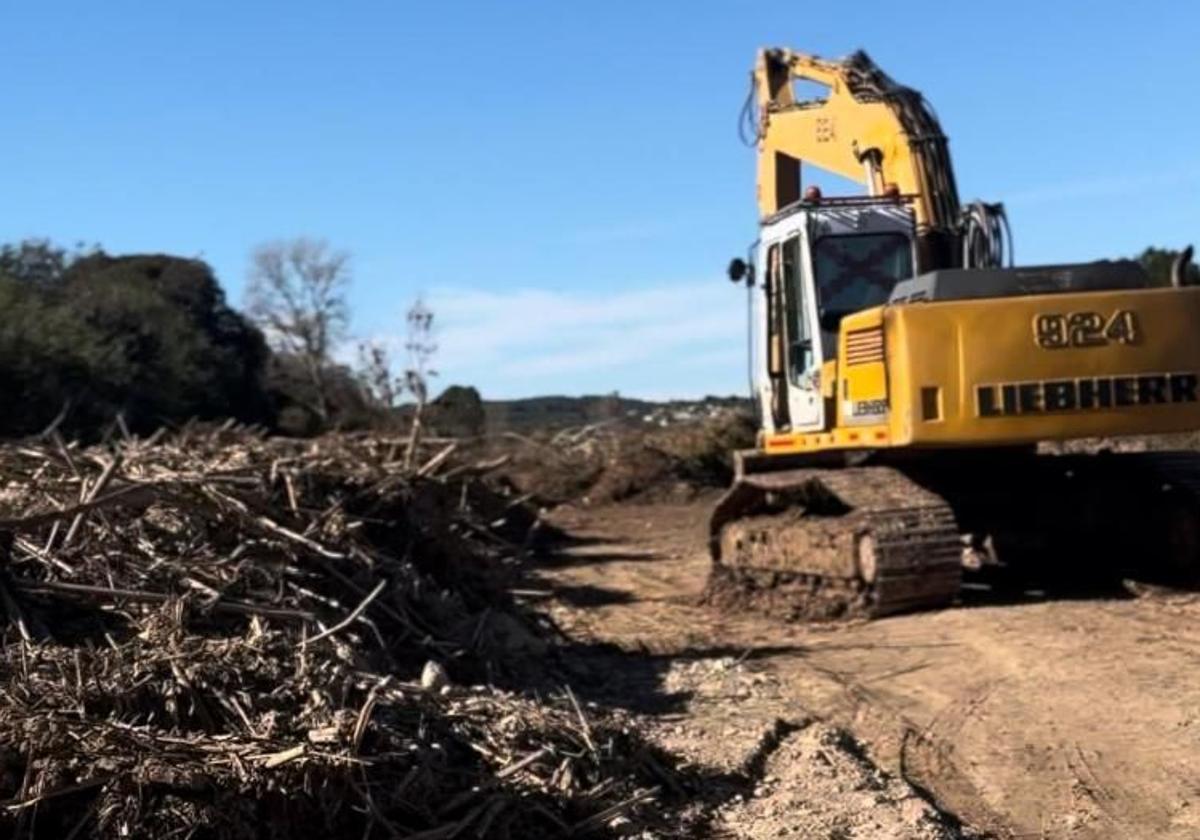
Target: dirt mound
{"type": "Point", "coordinates": [618, 461]}
{"type": "Point", "coordinates": [217, 635]}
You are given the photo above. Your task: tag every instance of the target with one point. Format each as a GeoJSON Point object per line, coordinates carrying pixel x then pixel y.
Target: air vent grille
{"type": "Point", "coordinates": [864, 346]}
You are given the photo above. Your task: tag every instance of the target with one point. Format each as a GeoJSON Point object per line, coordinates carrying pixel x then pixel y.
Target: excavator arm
{"type": "Point", "coordinates": [868, 128]}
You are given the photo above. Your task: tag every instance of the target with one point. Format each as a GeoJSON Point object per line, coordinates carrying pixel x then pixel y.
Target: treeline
{"type": "Point", "coordinates": [89, 340]}
{"type": "Point", "coordinates": [1159, 263]}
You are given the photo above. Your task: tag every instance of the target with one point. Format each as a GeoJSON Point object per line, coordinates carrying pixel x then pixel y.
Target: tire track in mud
{"type": "Point", "coordinates": [662, 623]}
{"type": "Point", "coordinates": [1026, 717]}
{"type": "Point", "coordinates": [919, 754]}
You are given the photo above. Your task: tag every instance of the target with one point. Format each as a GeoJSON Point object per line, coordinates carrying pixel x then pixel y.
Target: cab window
{"type": "Point", "coordinates": [800, 347]}
{"type": "Point", "coordinates": [856, 272]}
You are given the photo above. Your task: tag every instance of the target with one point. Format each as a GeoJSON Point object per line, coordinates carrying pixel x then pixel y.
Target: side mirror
{"type": "Point", "coordinates": [739, 270]}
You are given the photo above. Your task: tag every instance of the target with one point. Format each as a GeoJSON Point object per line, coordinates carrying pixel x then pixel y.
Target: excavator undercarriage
{"type": "Point", "coordinates": [824, 542]}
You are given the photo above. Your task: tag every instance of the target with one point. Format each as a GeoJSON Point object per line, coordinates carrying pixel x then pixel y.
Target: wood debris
{"type": "Point", "coordinates": [216, 634]}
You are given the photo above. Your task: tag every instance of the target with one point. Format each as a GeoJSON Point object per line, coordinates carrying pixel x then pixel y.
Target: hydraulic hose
{"type": "Point", "coordinates": [986, 237]}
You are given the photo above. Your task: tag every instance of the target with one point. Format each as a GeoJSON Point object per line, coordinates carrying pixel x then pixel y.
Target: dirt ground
{"type": "Point", "coordinates": [1021, 715]}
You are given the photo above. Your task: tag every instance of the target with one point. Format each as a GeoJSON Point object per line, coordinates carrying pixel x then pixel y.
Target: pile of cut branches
{"type": "Point", "coordinates": [214, 634]}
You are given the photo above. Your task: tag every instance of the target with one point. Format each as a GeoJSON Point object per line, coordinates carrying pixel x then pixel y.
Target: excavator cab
{"type": "Point", "coordinates": [822, 261]}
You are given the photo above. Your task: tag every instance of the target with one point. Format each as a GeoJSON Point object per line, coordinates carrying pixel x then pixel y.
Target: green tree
{"type": "Point", "coordinates": [48, 358]}
{"type": "Point", "coordinates": [1158, 263]}
{"type": "Point", "coordinates": [293, 394]}
{"type": "Point", "coordinates": [149, 336]}
{"type": "Point", "coordinates": [169, 346]}
{"type": "Point", "coordinates": [459, 411]}
{"type": "Point", "coordinates": [35, 261]}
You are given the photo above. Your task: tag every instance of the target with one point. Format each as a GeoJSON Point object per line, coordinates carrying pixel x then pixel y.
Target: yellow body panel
{"type": "Point", "coordinates": [863, 383]}
{"type": "Point", "coordinates": [997, 371]}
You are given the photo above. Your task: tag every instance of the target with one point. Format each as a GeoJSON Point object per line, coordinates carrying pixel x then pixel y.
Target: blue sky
{"type": "Point", "coordinates": [562, 181]}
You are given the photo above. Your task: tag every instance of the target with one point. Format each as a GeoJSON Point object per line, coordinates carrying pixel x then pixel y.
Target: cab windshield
{"type": "Point", "coordinates": [856, 272]}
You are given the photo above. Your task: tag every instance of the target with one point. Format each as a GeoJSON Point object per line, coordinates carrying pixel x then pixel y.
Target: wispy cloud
{"type": "Point", "coordinates": [534, 341]}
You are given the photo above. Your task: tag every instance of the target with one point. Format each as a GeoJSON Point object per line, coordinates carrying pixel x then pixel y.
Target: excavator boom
{"type": "Point", "coordinates": [867, 128]}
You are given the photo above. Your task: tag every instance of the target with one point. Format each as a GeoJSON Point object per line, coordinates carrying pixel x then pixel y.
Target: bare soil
{"type": "Point", "coordinates": [1022, 715]}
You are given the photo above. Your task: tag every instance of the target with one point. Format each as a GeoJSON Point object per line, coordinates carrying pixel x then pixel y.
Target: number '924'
{"type": "Point", "coordinates": [1053, 331]}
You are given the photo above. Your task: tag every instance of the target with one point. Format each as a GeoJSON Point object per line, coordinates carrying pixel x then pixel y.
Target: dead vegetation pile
{"type": "Point", "coordinates": [617, 461]}
{"type": "Point", "coordinates": [219, 635]}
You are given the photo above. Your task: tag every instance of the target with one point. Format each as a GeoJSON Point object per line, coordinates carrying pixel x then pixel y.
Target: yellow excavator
{"type": "Point", "coordinates": [905, 375]}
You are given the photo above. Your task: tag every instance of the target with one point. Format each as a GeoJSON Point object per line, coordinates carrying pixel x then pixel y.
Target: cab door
{"type": "Point", "coordinates": [793, 351]}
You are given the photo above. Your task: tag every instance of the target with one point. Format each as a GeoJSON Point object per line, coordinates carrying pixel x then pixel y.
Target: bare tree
{"type": "Point", "coordinates": [297, 293]}
{"type": "Point", "coordinates": [421, 348]}
{"type": "Point", "coordinates": [375, 373]}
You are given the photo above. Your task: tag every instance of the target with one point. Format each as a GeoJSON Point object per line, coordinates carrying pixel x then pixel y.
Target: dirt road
{"type": "Point", "coordinates": [1030, 717]}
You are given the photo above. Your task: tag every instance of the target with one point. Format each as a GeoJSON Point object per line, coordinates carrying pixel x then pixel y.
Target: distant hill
{"type": "Point", "coordinates": [552, 412]}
